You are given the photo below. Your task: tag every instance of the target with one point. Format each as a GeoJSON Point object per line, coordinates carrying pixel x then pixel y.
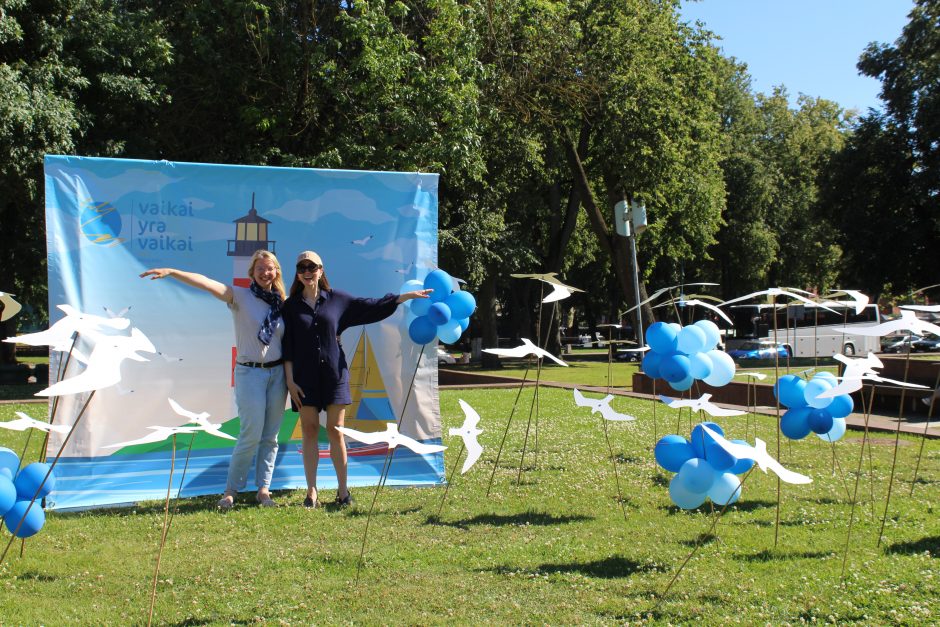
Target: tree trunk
{"type": "Point", "coordinates": [486, 312]}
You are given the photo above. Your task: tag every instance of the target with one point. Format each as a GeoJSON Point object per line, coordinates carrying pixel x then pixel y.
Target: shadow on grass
{"type": "Point", "coordinates": [540, 519]}
{"type": "Point", "coordinates": [768, 555]}
{"type": "Point", "coordinates": [703, 538]}
{"type": "Point", "coordinates": [608, 568]}
{"type": "Point", "coordinates": [32, 575]}
{"type": "Point", "coordinates": [207, 621]}
{"type": "Point", "coordinates": [929, 544]}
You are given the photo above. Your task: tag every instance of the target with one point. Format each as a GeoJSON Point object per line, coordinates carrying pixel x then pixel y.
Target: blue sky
{"type": "Point", "coordinates": [810, 46]}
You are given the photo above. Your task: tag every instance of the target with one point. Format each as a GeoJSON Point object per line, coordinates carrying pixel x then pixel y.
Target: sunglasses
{"type": "Point", "coordinates": [303, 268]}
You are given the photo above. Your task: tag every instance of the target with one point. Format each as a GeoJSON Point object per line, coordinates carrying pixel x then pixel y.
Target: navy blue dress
{"type": "Point", "coordinates": [310, 341]}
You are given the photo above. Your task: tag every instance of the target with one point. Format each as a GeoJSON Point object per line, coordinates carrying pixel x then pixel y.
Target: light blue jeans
{"type": "Point", "coordinates": [261, 395]}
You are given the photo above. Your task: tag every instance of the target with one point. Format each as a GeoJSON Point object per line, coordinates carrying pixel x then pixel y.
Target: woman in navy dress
{"type": "Point", "coordinates": [315, 366]}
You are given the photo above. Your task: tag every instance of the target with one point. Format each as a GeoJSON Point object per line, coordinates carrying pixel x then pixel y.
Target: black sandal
{"type": "Point", "coordinates": [346, 501]}
{"type": "Point", "coordinates": [311, 503]}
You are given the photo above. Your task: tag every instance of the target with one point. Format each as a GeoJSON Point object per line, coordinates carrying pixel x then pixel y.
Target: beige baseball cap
{"type": "Point", "coordinates": [309, 255]}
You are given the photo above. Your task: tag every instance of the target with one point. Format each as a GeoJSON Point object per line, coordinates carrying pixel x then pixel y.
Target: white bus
{"type": "Point", "coordinates": [805, 330]}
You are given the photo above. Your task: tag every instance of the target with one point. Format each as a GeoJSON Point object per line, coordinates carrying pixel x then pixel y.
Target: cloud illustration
{"type": "Point", "coordinates": [350, 204]}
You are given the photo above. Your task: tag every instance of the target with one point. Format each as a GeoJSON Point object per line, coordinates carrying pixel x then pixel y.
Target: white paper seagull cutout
{"type": "Point", "coordinates": [201, 419]}
{"type": "Point", "coordinates": [662, 291]}
{"type": "Point", "coordinates": [776, 291]}
{"type": "Point", "coordinates": [927, 308]}
{"type": "Point", "coordinates": [527, 348]}
{"type": "Point", "coordinates": [469, 432]}
{"type": "Point", "coordinates": [393, 438]}
{"type": "Point", "coordinates": [682, 302]}
{"type": "Point", "coordinates": [10, 306]}
{"type": "Point", "coordinates": [759, 454]}
{"type": "Point", "coordinates": [157, 434]}
{"type": "Point", "coordinates": [25, 422]}
{"type": "Point", "coordinates": [59, 336]}
{"type": "Point", "coordinates": [560, 291]}
{"type": "Point", "coordinates": [701, 404]}
{"type": "Point", "coordinates": [601, 405]}
{"type": "Point", "coordinates": [103, 367]}
{"type": "Point", "coordinates": [760, 376]}
{"type": "Point", "coordinates": [907, 322]}
{"type": "Point", "coordinates": [859, 299]}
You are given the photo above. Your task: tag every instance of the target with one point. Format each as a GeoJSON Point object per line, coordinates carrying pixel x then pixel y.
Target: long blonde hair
{"type": "Point", "coordinates": [278, 283]}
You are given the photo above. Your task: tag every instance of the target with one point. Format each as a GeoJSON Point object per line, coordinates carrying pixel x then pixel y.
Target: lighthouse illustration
{"type": "Point", "coordinates": [251, 234]}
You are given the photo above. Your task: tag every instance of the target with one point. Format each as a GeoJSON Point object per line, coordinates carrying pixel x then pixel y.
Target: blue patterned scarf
{"type": "Point", "coordinates": [273, 299]}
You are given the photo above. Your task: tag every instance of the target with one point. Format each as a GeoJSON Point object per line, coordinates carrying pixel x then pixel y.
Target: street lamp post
{"type": "Point", "coordinates": [630, 220]}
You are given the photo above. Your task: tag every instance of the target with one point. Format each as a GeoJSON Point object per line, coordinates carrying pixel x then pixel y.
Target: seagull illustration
{"type": "Point", "coordinates": [157, 434]}
{"type": "Point", "coordinates": [759, 454]}
{"type": "Point", "coordinates": [859, 299]}
{"type": "Point", "coordinates": [907, 322]}
{"type": "Point", "coordinates": [10, 306]}
{"type": "Point", "coordinates": [25, 422]}
{"type": "Point", "coordinates": [406, 269]}
{"type": "Point", "coordinates": [201, 419]}
{"type": "Point", "coordinates": [927, 308]}
{"type": "Point", "coordinates": [169, 358]}
{"type": "Point", "coordinates": [701, 404]}
{"type": "Point", "coordinates": [760, 376]}
{"type": "Point", "coordinates": [560, 291]}
{"type": "Point", "coordinates": [103, 367]}
{"type": "Point", "coordinates": [363, 241]}
{"type": "Point", "coordinates": [469, 432]}
{"type": "Point", "coordinates": [777, 291]}
{"type": "Point", "coordinates": [59, 336]}
{"type": "Point", "coordinates": [393, 438]}
{"type": "Point", "coordinates": [527, 348]}
{"type": "Point", "coordinates": [601, 405]}
{"type": "Point", "coordinates": [682, 302]}
{"type": "Point", "coordinates": [662, 291]}
{"type": "Point", "coordinates": [119, 314]}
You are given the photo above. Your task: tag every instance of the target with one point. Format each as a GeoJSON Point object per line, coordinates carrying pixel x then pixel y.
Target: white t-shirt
{"type": "Point", "coordinates": [248, 312]}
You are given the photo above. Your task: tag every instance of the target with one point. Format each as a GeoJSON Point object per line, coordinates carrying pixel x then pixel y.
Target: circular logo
{"type": "Point", "coordinates": [101, 223]}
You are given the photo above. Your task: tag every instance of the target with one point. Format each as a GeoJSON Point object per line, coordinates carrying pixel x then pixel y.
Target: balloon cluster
{"type": "Point", "coordinates": [705, 470]}
{"type": "Point", "coordinates": [807, 411]}
{"type": "Point", "coordinates": [680, 355]}
{"type": "Point", "coordinates": [445, 315]}
{"type": "Point", "coordinates": [17, 489]}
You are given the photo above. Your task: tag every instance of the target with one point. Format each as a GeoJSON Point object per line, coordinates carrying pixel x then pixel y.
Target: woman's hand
{"type": "Point", "coordinates": [156, 273]}
{"type": "Point", "coordinates": [296, 394]}
{"type": "Point", "coordinates": [414, 295]}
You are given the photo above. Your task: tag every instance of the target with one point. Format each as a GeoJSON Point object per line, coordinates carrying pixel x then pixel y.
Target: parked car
{"type": "Point", "coordinates": [926, 344]}
{"type": "Point", "coordinates": [759, 349]}
{"type": "Point", "coordinates": [900, 343]}
{"type": "Point", "coordinates": [630, 354]}
{"type": "Point", "coordinates": [443, 357]}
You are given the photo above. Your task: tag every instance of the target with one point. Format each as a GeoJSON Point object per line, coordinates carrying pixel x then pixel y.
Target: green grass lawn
{"type": "Point", "coordinates": [554, 549]}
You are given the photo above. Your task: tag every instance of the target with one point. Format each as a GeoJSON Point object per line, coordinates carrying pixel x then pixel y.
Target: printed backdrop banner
{"type": "Point", "coordinates": [108, 220]}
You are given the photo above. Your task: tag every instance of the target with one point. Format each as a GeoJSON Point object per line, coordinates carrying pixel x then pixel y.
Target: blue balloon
{"type": "Point", "coordinates": [725, 490]}
{"type": "Point", "coordinates": [699, 438]}
{"type": "Point", "coordinates": [33, 522]}
{"type": "Point", "coordinates": [696, 475]}
{"type": "Point", "coordinates": [841, 406]}
{"type": "Point", "coordinates": [674, 367]}
{"type": "Point", "coordinates": [682, 497]}
{"type": "Point", "coordinates": [9, 460]}
{"type": "Point", "coordinates": [439, 313]}
{"type": "Point", "coordinates": [795, 423]}
{"type": "Point", "coordinates": [834, 434]}
{"type": "Point", "coordinates": [691, 340]}
{"type": "Point", "coordinates": [682, 386]}
{"type": "Point", "coordinates": [744, 463]}
{"type": "Point", "coordinates": [441, 283]}
{"type": "Point", "coordinates": [420, 306]}
{"type": "Point", "coordinates": [464, 324]}
{"type": "Point", "coordinates": [720, 459]}
{"type": "Point", "coordinates": [461, 304]}
{"type": "Point", "coordinates": [650, 364]}
{"type": "Point", "coordinates": [29, 479]}
{"type": "Point", "coordinates": [712, 334]}
{"type": "Point", "coordinates": [662, 338]}
{"type": "Point", "coordinates": [816, 386]}
{"type": "Point", "coordinates": [672, 451]}
{"type": "Point", "coordinates": [820, 421]}
{"type": "Point", "coordinates": [789, 391]}
{"type": "Point", "coordinates": [422, 330]}
{"type": "Point", "coordinates": [722, 369]}
{"type": "Point", "coordinates": [828, 376]}
{"type": "Point", "coordinates": [449, 332]}
{"type": "Point", "coordinates": [7, 495]}
{"type": "Point", "coordinates": [700, 365]}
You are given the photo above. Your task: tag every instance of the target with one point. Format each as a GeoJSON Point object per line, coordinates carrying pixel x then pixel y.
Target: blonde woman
{"type": "Point", "coordinates": [260, 389]}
